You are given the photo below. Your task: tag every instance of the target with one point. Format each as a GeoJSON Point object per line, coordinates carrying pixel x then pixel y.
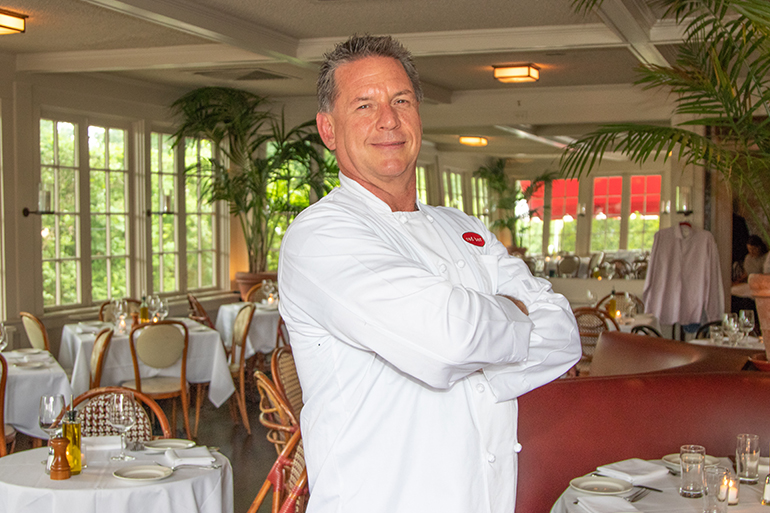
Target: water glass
{"type": "Point", "coordinates": [746, 322]}
{"type": "Point", "coordinates": [48, 417]}
{"type": "Point", "coordinates": [121, 415]}
{"type": "Point", "coordinates": [692, 458]}
{"type": "Point", "coordinates": [717, 481]}
{"type": "Point", "coordinates": [153, 305]}
{"type": "Point", "coordinates": [747, 458]}
{"type": "Point", "coordinates": [716, 335]}
{"type": "Point", "coordinates": [163, 309]}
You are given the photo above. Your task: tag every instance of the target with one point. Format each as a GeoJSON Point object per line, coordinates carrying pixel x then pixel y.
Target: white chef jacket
{"type": "Point", "coordinates": [684, 281]}
{"type": "Point", "coordinates": [409, 362]}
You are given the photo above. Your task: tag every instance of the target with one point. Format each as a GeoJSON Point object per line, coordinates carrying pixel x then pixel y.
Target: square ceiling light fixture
{"type": "Point", "coordinates": [473, 141]}
{"type": "Point", "coordinates": [517, 73]}
{"type": "Point", "coordinates": [11, 22]}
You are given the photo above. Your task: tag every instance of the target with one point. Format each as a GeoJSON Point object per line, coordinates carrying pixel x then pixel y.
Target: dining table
{"type": "Point", "coordinates": [32, 373]}
{"type": "Point", "coordinates": [262, 331]}
{"type": "Point", "coordinates": [749, 342]}
{"type": "Point", "coordinates": [26, 488]}
{"type": "Point", "coordinates": [206, 359]}
{"type": "Point", "coordinates": [666, 498]}
{"type": "Point", "coordinates": [628, 323]}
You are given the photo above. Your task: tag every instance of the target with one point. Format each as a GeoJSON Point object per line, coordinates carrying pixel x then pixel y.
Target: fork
{"type": "Point", "coordinates": [638, 495]}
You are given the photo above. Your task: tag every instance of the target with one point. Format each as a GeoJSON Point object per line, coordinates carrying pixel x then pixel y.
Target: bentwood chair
{"type": "Point", "coordinates": [36, 332]}
{"type": "Point", "coordinates": [160, 345]}
{"type": "Point", "coordinates": [285, 378]}
{"type": "Point", "coordinates": [98, 355]}
{"type": "Point", "coordinates": [621, 268]}
{"type": "Point", "coordinates": [591, 323]}
{"type": "Point", "coordinates": [624, 301]}
{"type": "Point", "coordinates": [198, 313]}
{"type": "Point", "coordinates": [282, 334]}
{"type": "Point", "coordinates": [106, 313]}
{"type": "Point", "coordinates": [238, 361]}
{"type": "Point", "coordinates": [255, 294]}
{"type": "Point", "coordinates": [93, 415]}
{"type": "Point", "coordinates": [595, 262]}
{"type": "Point", "coordinates": [287, 479]}
{"type": "Point", "coordinates": [8, 431]}
{"type": "Point", "coordinates": [568, 266]}
{"type": "Point", "coordinates": [646, 329]}
{"type": "Point", "coordinates": [275, 413]}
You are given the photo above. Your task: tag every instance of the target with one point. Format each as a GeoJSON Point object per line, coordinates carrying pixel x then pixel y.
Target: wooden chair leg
{"type": "Point", "coordinates": [37, 442]}
{"type": "Point", "coordinates": [185, 400]}
{"type": "Point", "coordinates": [242, 405]}
{"type": "Point", "coordinates": [173, 417]}
{"type": "Point", "coordinates": [198, 402]}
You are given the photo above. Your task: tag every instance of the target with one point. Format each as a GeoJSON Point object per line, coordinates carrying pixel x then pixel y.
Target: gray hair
{"type": "Point", "coordinates": [359, 47]}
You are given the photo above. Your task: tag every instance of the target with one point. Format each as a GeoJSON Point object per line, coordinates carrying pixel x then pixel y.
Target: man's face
{"type": "Point", "coordinates": [374, 126]}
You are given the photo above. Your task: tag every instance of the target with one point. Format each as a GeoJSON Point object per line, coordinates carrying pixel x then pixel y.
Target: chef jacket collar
{"type": "Point", "coordinates": [366, 195]}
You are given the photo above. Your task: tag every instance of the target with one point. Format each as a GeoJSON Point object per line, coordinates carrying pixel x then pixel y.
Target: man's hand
{"type": "Point", "coordinates": [517, 303]}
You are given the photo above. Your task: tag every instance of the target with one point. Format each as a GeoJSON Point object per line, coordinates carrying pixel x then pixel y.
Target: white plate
{"type": "Point", "coordinates": [143, 473]}
{"type": "Point", "coordinates": [600, 485]}
{"type": "Point", "coordinates": [30, 350]}
{"type": "Point", "coordinates": [29, 365]}
{"type": "Point", "coordinates": [170, 443]}
{"type": "Point", "coordinates": [672, 461]}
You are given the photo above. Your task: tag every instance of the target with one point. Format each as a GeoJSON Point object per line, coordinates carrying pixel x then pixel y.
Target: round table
{"type": "Point", "coordinates": [25, 487]}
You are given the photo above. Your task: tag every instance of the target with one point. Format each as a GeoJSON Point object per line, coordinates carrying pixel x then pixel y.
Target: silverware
{"type": "Point", "coordinates": [638, 495]}
{"type": "Point", "coordinates": [213, 466]}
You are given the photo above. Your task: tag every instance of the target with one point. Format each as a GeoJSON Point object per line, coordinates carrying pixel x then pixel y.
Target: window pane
{"type": "Point", "coordinates": [70, 282]}
{"type": "Point", "coordinates": [97, 148]}
{"type": "Point", "coordinates": [68, 191]}
{"type": "Point", "coordinates": [49, 283]}
{"type": "Point", "coordinates": [117, 149]}
{"type": "Point", "coordinates": [192, 270]}
{"type": "Point", "coordinates": [117, 235]}
{"type": "Point", "coordinates": [99, 279]}
{"type": "Point", "coordinates": [67, 144]}
{"type": "Point", "coordinates": [118, 278]}
{"type": "Point", "coordinates": [99, 235]}
{"type": "Point", "coordinates": [68, 236]}
{"type": "Point", "coordinates": [605, 223]}
{"type": "Point", "coordinates": [564, 196]}
{"type": "Point", "coordinates": [118, 193]}
{"type": "Point", "coordinates": [47, 142]}
{"type": "Point", "coordinates": [207, 268]}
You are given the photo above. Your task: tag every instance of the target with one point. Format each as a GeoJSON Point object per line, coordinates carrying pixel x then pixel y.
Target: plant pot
{"type": "Point", "coordinates": [247, 280]}
{"type": "Point", "coordinates": [760, 290]}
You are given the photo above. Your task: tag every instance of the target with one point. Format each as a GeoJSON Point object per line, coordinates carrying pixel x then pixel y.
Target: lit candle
{"type": "Point", "coordinates": [732, 498]}
{"type": "Point", "coordinates": [270, 299]}
{"type": "Point", "coordinates": [122, 324]}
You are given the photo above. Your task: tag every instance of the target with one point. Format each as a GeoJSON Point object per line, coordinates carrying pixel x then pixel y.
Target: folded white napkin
{"type": "Point", "coordinates": [90, 327]}
{"type": "Point", "coordinates": [101, 443]}
{"type": "Point", "coordinates": [634, 470]}
{"type": "Point", "coordinates": [604, 504]}
{"type": "Point", "coordinates": [193, 456]}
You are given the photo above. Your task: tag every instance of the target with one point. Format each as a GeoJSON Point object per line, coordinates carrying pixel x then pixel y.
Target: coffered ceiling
{"type": "Point", "coordinates": [273, 47]}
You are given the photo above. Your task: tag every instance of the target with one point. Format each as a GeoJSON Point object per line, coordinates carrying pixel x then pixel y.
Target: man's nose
{"type": "Point", "coordinates": [388, 118]}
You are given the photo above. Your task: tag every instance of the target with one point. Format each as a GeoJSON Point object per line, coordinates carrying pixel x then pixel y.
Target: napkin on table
{"type": "Point", "coordinates": [604, 504]}
{"type": "Point", "coordinates": [634, 470]}
{"type": "Point", "coordinates": [84, 327]}
{"type": "Point", "coordinates": [193, 456]}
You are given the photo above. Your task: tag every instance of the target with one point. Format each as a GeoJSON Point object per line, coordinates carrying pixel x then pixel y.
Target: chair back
{"type": "Point", "coordinates": [98, 354]}
{"type": "Point", "coordinates": [282, 334]}
{"type": "Point", "coordinates": [591, 323]}
{"type": "Point", "coordinates": [3, 379]}
{"type": "Point", "coordinates": [256, 294]}
{"type": "Point", "coordinates": [287, 479]}
{"type": "Point", "coordinates": [93, 415]}
{"type": "Point", "coordinates": [240, 333]}
{"type": "Point", "coordinates": [569, 265]}
{"type": "Point", "coordinates": [36, 333]}
{"type": "Point", "coordinates": [198, 313]}
{"type": "Point", "coordinates": [159, 345]}
{"type": "Point", "coordinates": [275, 413]}
{"type": "Point", "coordinates": [646, 329]}
{"type": "Point", "coordinates": [595, 262]}
{"type": "Point", "coordinates": [621, 268]}
{"type": "Point", "coordinates": [107, 314]}
{"type": "Point", "coordinates": [286, 379]}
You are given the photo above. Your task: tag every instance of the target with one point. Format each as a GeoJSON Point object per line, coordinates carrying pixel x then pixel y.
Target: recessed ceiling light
{"type": "Point", "coordinates": [11, 22]}
{"type": "Point", "coordinates": [473, 141]}
{"type": "Point", "coordinates": [517, 73]}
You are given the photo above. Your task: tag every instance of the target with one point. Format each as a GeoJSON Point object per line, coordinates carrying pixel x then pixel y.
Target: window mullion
{"type": "Point", "coordinates": [83, 224]}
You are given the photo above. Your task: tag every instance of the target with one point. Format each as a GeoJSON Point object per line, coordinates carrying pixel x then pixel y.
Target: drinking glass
{"type": "Point", "coordinates": [717, 481]}
{"type": "Point", "coordinates": [48, 417]}
{"type": "Point", "coordinates": [716, 335]}
{"type": "Point", "coordinates": [121, 414]}
{"type": "Point", "coordinates": [163, 309]}
{"type": "Point", "coordinates": [153, 305]}
{"type": "Point", "coordinates": [746, 322]}
{"type": "Point", "coordinates": [730, 327]}
{"type": "Point", "coordinates": [3, 337]}
{"type": "Point", "coordinates": [692, 459]}
{"type": "Point", "coordinates": [747, 458]}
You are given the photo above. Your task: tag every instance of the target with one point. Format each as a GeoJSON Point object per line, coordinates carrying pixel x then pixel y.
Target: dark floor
{"type": "Point", "coordinates": [251, 456]}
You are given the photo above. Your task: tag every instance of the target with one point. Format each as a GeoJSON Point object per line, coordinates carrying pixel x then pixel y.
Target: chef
{"type": "Point", "coordinates": [412, 329]}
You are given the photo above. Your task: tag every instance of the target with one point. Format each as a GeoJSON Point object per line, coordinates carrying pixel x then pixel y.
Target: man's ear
{"type": "Point", "coordinates": [325, 123]}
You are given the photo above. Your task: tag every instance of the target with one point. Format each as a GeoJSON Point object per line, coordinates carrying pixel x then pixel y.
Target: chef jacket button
{"type": "Point", "coordinates": [517, 447]}
{"type": "Point", "coordinates": [403, 219]}
{"type": "Point", "coordinates": [480, 387]}
{"type": "Point", "coordinates": [491, 458]}
{"type": "Point", "coordinates": [429, 218]}
{"type": "Point", "coordinates": [442, 268]}
{"type": "Point", "coordinates": [461, 263]}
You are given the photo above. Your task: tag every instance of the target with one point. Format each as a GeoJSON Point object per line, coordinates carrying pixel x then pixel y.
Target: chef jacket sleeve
{"type": "Point", "coordinates": [342, 278]}
{"type": "Point", "coordinates": [554, 341]}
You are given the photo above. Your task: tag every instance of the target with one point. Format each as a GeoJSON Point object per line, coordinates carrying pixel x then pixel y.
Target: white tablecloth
{"type": "Point", "coordinates": [670, 501]}
{"type": "Point", "coordinates": [262, 332]}
{"type": "Point", "coordinates": [749, 343]}
{"type": "Point", "coordinates": [206, 361]}
{"type": "Point", "coordinates": [25, 488]}
{"type": "Point", "coordinates": [25, 387]}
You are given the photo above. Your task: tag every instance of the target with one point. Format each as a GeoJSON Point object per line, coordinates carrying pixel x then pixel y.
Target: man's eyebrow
{"type": "Point", "coordinates": [363, 98]}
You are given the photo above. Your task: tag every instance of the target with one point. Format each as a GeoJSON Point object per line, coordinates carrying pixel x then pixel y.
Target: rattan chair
{"type": "Point", "coordinates": [621, 269]}
{"type": "Point", "coordinates": [624, 301]}
{"type": "Point", "coordinates": [93, 415]}
{"type": "Point", "coordinates": [8, 430]}
{"type": "Point", "coordinates": [98, 355]}
{"type": "Point", "coordinates": [275, 413]}
{"type": "Point", "coordinates": [595, 262]}
{"type": "Point", "coordinates": [36, 333]}
{"type": "Point", "coordinates": [255, 294]}
{"type": "Point", "coordinates": [285, 378]}
{"type": "Point", "coordinates": [568, 266]}
{"type": "Point", "coordinates": [160, 345]}
{"type": "Point", "coordinates": [238, 361]}
{"type": "Point", "coordinates": [287, 479]}
{"type": "Point", "coordinates": [646, 329]}
{"type": "Point", "coordinates": [591, 323]}
{"type": "Point", "coordinates": [198, 313]}
{"type": "Point", "coordinates": [106, 313]}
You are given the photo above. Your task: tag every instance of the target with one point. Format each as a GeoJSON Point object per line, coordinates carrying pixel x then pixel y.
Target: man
{"type": "Point", "coordinates": [412, 329]}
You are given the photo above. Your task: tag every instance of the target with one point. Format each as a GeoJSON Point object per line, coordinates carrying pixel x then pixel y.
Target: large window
{"type": "Point", "coordinates": [531, 214]}
{"type": "Point", "coordinates": [480, 199]}
{"type": "Point", "coordinates": [199, 216]}
{"type": "Point", "coordinates": [453, 190]}
{"type": "Point", "coordinates": [164, 169]}
{"type": "Point", "coordinates": [563, 224]}
{"type": "Point", "coordinates": [644, 219]}
{"type": "Point", "coordinates": [605, 225]}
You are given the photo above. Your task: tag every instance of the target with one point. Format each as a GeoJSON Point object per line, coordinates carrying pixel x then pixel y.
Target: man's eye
{"type": "Point", "coordinates": [362, 107]}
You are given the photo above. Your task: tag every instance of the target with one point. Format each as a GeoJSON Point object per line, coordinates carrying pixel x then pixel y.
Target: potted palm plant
{"type": "Point", "coordinates": [267, 173]}
{"type": "Point", "coordinates": [721, 82]}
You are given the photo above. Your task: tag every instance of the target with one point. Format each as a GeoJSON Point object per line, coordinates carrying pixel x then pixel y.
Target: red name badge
{"type": "Point", "coordinates": [473, 238]}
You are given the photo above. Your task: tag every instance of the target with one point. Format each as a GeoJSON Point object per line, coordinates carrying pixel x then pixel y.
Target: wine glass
{"type": "Point", "coordinates": [163, 309]}
{"type": "Point", "coordinates": [746, 322]}
{"type": "Point", "coordinates": [48, 416]}
{"type": "Point", "coordinates": [153, 305]}
{"type": "Point", "coordinates": [121, 415]}
{"type": "Point", "coordinates": [730, 327]}
{"type": "Point", "coordinates": [3, 337]}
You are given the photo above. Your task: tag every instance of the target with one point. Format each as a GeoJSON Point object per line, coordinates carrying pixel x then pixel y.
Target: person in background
{"type": "Point", "coordinates": [412, 329]}
{"type": "Point", "coordinates": [755, 260]}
